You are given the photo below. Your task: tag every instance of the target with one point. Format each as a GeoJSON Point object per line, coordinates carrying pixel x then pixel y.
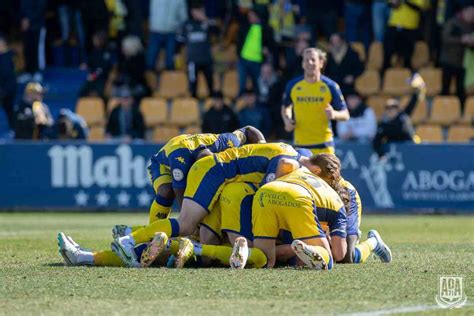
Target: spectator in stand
{"type": "Point", "coordinates": [8, 9]}
{"type": "Point", "coordinates": [125, 121]}
{"type": "Point", "coordinates": [357, 19]}
{"type": "Point", "coordinates": [270, 90]}
{"type": "Point", "coordinates": [322, 16]}
{"type": "Point", "coordinates": [33, 29]}
{"type": "Point", "coordinates": [362, 125]}
{"type": "Point", "coordinates": [282, 21]}
{"type": "Point", "coordinates": [70, 14]}
{"type": "Point", "coordinates": [166, 18]}
{"type": "Point", "coordinates": [255, 42]}
{"type": "Point", "coordinates": [343, 65]}
{"type": "Point", "coordinates": [7, 80]}
{"type": "Point", "coordinates": [220, 118]}
{"type": "Point", "coordinates": [293, 68]}
{"type": "Point", "coordinates": [132, 67]}
{"type": "Point", "coordinates": [251, 114]}
{"type": "Point", "coordinates": [457, 36]}
{"type": "Point", "coordinates": [402, 31]}
{"type": "Point", "coordinates": [380, 15]}
{"type": "Point", "coordinates": [198, 49]}
{"type": "Point", "coordinates": [95, 17]}
{"type": "Point", "coordinates": [396, 125]}
{"type": "Point", "coordinates": [69, 125]}
{"type": "Point", "coordinates": [99, 66]}
{"type": "Point", "coordinates": [33, 119]}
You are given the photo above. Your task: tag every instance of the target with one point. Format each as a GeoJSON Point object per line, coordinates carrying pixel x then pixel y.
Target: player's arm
{"type": "Point", "coordinates": [337, 227]}
{"type": "Point", "coordinates": [203, 153]}
{"type": "Point", "coordinates": [337, 110]}
{"type": "Point", "coordinates": [179, 194]}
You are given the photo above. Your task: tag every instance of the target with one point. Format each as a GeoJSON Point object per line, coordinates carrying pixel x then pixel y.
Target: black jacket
{"type": "Point", "coordinates": [218, 122]}
{"type": "Point", "coordinates": [136, 129]}
{"type": "Point", "coordinates": [350, 65]}
{"type": "Point", "coordinates": [35, 11]}
{"type": "Point", "coordinates": [196, 38]}
{"type": "Point", "coordinates": [7, 77]}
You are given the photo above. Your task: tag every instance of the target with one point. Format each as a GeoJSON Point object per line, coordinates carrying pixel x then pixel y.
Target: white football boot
{"type": "Point", "coordinates": [310, 257]}
{"type": "Point", "coordinates": [240, 253]}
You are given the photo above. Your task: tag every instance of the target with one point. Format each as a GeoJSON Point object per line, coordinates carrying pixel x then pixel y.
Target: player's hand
{"type": "Point", "coordinates": [330, 113]}
{"type": "Point", "coordinates": [289, 124]}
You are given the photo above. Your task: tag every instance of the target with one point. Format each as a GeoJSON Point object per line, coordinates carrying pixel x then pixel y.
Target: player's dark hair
{"type": "Point", "coordinates": [331, 173]}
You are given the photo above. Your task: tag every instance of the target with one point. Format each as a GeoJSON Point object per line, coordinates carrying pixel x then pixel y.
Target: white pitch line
{"type": "Point", "coordinates": [398, 310]}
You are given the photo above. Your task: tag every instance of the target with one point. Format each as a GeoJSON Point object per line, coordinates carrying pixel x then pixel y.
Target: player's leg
{"type": "Point", "coordinates": [352, 241]}
{"type": "Point", "coordinates": [373, 244]}
{"type": "Point", "coordinates": [315, 253]}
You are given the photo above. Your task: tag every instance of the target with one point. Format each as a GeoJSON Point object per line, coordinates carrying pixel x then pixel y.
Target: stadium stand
{"type": "Point", "coordinates": [375, 59]}
{"type": "Point", "coordinates": [173, 84]}
{"type": "Point", "coordinates": [460, 134]}
{"type": "Point", "coordinates": [421, 55]}
{"type": "Point", "coordinates": [420, 113]}
{"type": "Point", "coordinates": [155, 111]}
{"type": "Point", "coordinates": [368, 83]}
{"type": "Point", "coordinates": [430, 133]}
{"type": "Point", "coordinates": [92, 109]}
{"type": "Point", "coordinates": [162, 134]}
{"type": "Point", "coordinates": [468, 115]}
{"type": "Point", "coordinates": [432, 77]}
{"type": "Point", "coordinates": [395, 81]}
{"type": "Point", "coordinates": [184, 112]}
{"type": "Point", "coordinates": [360, 50]}
{"type": "Point", "coordinates": [445, 110]}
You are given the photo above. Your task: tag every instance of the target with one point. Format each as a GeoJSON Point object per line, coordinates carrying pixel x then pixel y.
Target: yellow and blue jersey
{"type": "Point", "coordinates": [354, 213]}
{"type": "Point", "coordinates": [254, 163]}
{"type": "Point", "coordinates": [329, 208]}
{"type": "Point", "coordinates": [179, 154]}
{"type": "Point", "coordinates": [312, 127]}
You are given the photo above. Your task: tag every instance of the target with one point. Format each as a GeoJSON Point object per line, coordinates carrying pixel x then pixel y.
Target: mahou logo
{"type": "Point", "coordinates": [74, 166]}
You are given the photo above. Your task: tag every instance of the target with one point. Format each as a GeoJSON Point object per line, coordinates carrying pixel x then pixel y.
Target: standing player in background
{"type": "Point", "coordinates": [310, 103]}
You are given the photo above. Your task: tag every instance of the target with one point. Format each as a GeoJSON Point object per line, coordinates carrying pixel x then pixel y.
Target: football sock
{"type": "Point", "coordinates": [364, 249]}
{"type": "Point", "coordinates": [257, 258]}
{"type": "Point", "coordinates": [220, 253]}
{"type": "Point", "coordinates": [323, 253]}
{"type": "Point", "coordinates": [168, 226]}
{"type": "Point", "coordinates": [159, 210]}
{"type": "Point", "coordinates": [172, 246]}
{"type": "Point", "coordinates": [106, 258]}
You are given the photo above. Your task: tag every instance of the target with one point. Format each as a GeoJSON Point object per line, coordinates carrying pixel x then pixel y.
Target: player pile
{"type": "Point", "coordinates": [274, 204]}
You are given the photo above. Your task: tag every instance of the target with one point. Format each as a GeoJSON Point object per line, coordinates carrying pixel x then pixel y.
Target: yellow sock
{"type": "Point", "coordinates": [324, 254]}
{"type": "Point", "coordinates": [220, 253]}
{"type": "Point", "coordinates": [168, 226]}
{"type": "Point", "coordinates": [158, 212]}
{"type": "Point", "coordinates": [174, 246]}
{"type": "Point", "coordinates": [257, 258]}
{"type": "Point", "coordinates": [107, 259]}
{"type": "Point", "coordinates": [363, 251]}
{"type": "Point", "coordinates": [135, 228]}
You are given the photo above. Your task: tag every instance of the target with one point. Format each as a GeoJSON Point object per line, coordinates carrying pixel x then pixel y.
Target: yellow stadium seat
{"type": "Point", "coordinates": [185, 112]}
{"type": "Point", "coordinates": [240, 104]}
{"type": "Point", "coordinates": [430, 133]}
{"type": "Point", "coordinates": [421, 55]}
{"type": "Point", "coordinates": [468, 115]}
{"type": "Point", "coordinates": [92, 109]}
{"type": "Point", "coordinates": [231, 84]}
{"type": "Point", "coordinates": [445, 110]}
{"type": "Point", "coordinates": [164, 133]}
{"type": "Point", "coordinates": [432, 77]}
{"type": "Point", "coordinates": [151, 80]}
{"type": "Point", "coordinates": [420, 114]}
{"type": "Point", "coordinates": [368, 83]}
{"type": "Point", "coordinates": [192, 130]}
{"type": "Point", "coordinates": [202, 89]}
{"type": "Point", "coordinates": [377, 103]}
{"type": "Point", "coordinates": [110, 82]}
{"type": "Point", "coordinates": [155, 111]}
{"type": "Point", "coordinates": [375, 60]}
{"type": "Point", "coordinates": [96, 133]}
{"type": "Point", "coordinates": [395, 81]}
{"type": "Point", "coordinates": [173, 84]}
{"type": "Point", "coordinates": [112, 104]}
{"type": "Point", "coordinates": [460, 134]}
{"type": "Point", "coordinates": [360, 50]}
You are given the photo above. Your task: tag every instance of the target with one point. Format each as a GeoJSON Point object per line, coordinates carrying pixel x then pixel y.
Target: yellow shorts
{"type": "Point", "coordinates": [213, 221]}
{"type": "Point", "coordinates": [205, 183]}
{"type": "Point", "coordinates": [284, 206]}
{"type": "Point", "coordinates": [236, 208]}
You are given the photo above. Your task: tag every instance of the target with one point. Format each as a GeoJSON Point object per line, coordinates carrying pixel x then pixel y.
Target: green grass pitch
{"type": "Point", "coordinates": [33, 280]}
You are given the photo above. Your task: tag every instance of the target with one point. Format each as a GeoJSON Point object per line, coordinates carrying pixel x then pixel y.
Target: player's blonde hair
{"type": "Point", "coordinates": [321, 54]}
{"type": "Point", "coordinates": [331, 173]}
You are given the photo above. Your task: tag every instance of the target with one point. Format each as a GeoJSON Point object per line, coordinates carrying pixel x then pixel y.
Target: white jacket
{"type": "Point", "coordinates": [167, 16]}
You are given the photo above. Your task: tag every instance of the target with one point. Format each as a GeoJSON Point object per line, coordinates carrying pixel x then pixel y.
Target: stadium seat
{"type": "Point", "coordinates": [430, 133]}
{"type": "Point", "coordinates": [421, 55]}
{"type": "Point", "coordinates": [96, 133]}
{"type": "Point", "coordinates": [420, 114]}
{"type": "Point", "coordinates": [377, 103]}
{"type": "Point", "coordinates": [395, 81]}
{"type": "Point", "coordinates": [92, 109]}
{"type": "Point", "coordinates": [460, 134]}
{"type": "Point", "coordinates": [375, 60]}
{"type": "Point", "coordinates": [445, 110]}
{"type": "Point", "coordinates": [231, 84]}
{"type": "Point", "coordinates": [192, 130]}
{"type": "Point", "coordinates": [151, 80]}
{"type": "Point", "coordinates": [112, 104]}
{"type": "Point", "coordinates": [184, 112]}
{"type": "Point", "coordinates": [368, 83]}
{"type": "Point", "coordinates": [360, 50]}
{"type": "Point", "coordinates": [240, 104]}
{"type": "Point", "coordinates": [165, 133]}
{"type": "Point", "coordinates": [110, 81]}
{"type": "Point", "coordinates": [432, 77]}
{"type": "Point", "coordinates": [173, 84]}
{"type": "Point", "coordinates": [202, 90]}
{"type": "Point", "coordinates": [18, 56]}
{"type": "Point", "coordinates": [154, 110]}
{"type": "Point", "coordinates": [468, 115]}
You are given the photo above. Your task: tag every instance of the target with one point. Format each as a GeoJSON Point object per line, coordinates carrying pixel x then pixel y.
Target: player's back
{"type": "Point", "coordinates": [251, 162]}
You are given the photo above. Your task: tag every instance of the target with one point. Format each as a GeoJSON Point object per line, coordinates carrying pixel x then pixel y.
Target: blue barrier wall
{"type": "Point", "coordinates": [79, 175]}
